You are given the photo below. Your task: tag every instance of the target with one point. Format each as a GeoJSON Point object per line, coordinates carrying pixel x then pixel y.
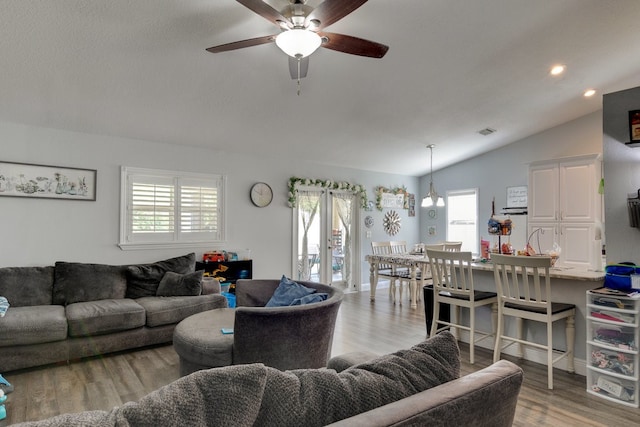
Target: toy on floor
{"type": "Point", "coordinates": [5, 386]}
{"type": "Point", "coordinates": [3, 410]}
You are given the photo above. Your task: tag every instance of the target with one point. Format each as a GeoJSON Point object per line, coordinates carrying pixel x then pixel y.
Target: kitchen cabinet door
{"type": "Point", "coordinates": [544, 192]}
{"type": "Point", "coordinates": [578, 191]}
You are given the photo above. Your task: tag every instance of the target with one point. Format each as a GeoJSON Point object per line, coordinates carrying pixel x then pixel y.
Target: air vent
{"type": "Point", "coordinates": [486, 131]}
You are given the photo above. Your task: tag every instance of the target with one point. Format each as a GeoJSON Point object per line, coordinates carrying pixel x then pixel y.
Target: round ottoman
{"type": "Point", "coordinates": [200, 343]}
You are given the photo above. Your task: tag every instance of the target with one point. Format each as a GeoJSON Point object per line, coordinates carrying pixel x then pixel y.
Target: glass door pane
{"type": "Point", "coordinates": [341, 240]}
{"type": "Point", "coordinates": [309, 235]}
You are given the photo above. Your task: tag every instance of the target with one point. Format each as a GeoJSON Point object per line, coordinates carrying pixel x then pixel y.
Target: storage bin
{"type": "Point", "coordinates": [616, 337]}
{"type": "Point", "coordinates": [231, 299]}
{"type": "Point", "coordinates": [614, 361]}
{"type": "Point", "coordinates": [615, 388]}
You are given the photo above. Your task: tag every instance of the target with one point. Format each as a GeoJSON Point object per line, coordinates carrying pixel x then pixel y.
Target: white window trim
{"type": "Point", "coordinates": [126, 245]}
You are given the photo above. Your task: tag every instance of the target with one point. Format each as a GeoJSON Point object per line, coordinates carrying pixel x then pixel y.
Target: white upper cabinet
{"type": "Point", "coordinates": [565, 190]}
{"type": "Point", "coordinates": [544, 192]}
{"type": "Point", "coordinates": [566, 209]}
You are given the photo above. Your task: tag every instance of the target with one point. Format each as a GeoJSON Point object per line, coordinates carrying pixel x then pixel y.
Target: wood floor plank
{"type": "Point", "coordinates": [380, 327]}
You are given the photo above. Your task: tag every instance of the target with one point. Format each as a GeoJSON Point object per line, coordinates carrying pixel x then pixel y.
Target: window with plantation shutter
{"type": "Point", "coordinates": [170, 209]}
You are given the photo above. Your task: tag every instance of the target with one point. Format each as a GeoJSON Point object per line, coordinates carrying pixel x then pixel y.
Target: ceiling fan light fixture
{"type": "Point", "coordinates": [298, 43]}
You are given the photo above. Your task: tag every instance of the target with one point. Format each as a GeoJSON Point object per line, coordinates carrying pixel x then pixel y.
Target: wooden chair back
{"type": "Point", "coordinates": [523, 280]}
{"type": "Point", "coordinates": [451, 271]}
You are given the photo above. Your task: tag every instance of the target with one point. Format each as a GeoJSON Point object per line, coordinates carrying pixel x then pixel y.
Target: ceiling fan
{"type": "Point", "coordinates": [301, 32]}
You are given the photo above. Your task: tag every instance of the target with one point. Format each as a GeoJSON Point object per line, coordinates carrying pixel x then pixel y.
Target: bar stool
{"type": "Point", "coordinates": [524, 292]}
{"type": "Point", "coordinates": [453, 285]}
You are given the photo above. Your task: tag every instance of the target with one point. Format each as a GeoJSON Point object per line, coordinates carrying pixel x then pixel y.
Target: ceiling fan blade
{"type": "Point", "coordinates": [242, 44]}
{"type": "Point", "coordinates": [293, 67]}
{"type": "Point", "coordinates": [264, 10]}
{"type": "Point", "coordinates": [331, 11]}
{"type": "Point", "coordinates": [353, 45]}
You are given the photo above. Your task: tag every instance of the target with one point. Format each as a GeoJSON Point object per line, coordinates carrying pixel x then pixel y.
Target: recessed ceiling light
{"type": "Point", "coordinates": [589, 92]}
{"type": "Point", "coordinates": [556, 70]}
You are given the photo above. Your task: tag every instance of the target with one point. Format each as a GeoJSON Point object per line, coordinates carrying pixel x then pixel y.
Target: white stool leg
{"type": "Point", "coordinates": [550, 355]}
{"type": "Point", "coordinates": [520, 332]}
{"type": "Point", "coordinates": [498, 341]}
{"type": "Point", "coordinates": [571, 338]}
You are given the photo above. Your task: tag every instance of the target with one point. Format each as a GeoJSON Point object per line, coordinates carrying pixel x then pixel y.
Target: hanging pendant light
{"type": "Point", "coordinates": [432, 197]}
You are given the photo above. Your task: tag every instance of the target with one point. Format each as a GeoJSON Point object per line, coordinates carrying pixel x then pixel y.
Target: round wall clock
{"type": "Point", "coordinates": [368, 221]}
{"type": "Point", "coordinates": [391, 223]}
{"type": "Point", "coordinates": [261, 194]}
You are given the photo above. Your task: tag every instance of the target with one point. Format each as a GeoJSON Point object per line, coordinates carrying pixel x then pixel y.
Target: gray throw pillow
{"type": "Point", "coordinates": [175, 285]}
{"type": "Point", "coordinates": [143, 279]}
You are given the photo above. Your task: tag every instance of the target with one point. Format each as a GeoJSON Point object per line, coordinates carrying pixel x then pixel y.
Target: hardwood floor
{"type": "Point", "coordinates": [380, 327]}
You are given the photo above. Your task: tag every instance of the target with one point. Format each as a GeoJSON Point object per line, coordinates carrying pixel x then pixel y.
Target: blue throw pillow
{"type": "Point", "coordinates": [310, 299]}
{"type": "Point", "coordinates": [287, 292]}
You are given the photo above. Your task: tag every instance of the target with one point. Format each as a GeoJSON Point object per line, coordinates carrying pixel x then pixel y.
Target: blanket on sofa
{"type": "Point", "coordinates": [246, 395]}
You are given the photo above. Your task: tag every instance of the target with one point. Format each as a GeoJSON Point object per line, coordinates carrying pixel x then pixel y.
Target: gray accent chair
{"type": "Point", "coordinates": [285, 338]}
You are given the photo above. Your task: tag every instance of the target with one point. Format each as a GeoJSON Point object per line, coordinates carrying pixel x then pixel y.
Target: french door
{"type": "Point", "coordinates": [325, 237]}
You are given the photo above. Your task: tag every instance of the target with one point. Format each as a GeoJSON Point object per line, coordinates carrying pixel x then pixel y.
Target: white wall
{"type": "Point", "coordinates": [622, 175]}
{"type": "Point", "coordinates": [496, 170]}
{"type": "Point", "coordinates": [42, 231]}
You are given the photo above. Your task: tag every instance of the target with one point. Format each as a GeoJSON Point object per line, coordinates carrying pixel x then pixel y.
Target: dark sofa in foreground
{"type": "Point", "coordinates": [415, 387]}
{"type": "Point", "coordinates": [74, 310]}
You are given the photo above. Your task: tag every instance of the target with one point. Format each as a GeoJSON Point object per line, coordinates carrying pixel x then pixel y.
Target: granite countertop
{"type": "Point", "coordinates": [570, 273]}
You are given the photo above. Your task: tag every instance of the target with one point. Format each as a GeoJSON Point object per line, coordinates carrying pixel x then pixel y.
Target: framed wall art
{"type": "Point", "coordinates": [634, 126]}
{"type": "Point", "coordinates": [49, 182]}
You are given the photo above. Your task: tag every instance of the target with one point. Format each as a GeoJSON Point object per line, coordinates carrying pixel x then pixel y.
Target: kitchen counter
{"type": "Point", "coordinates": [569, 273]}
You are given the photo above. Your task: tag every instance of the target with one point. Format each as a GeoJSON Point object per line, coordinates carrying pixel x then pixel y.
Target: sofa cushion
{"type": "Point", "coordinates": [79, 282]}
{"type": "Point", "coordinates": [27, 286]}
{"type": "Point", "coordinates": [104, 317]}
{"type": "Point", "coordinates": [143, 279]}
{"type": "Point", "coordinates": [288, 293]}
{"type": "Point", "coordinates": [33, 325]}
{"type": "Point", "coordinates": [170, 310]}
{"type": "Point", "coordinates": [175, 284]}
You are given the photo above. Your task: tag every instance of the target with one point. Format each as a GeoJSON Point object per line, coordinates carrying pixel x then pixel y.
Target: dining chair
{"type": "Point", "coordinates": [452, 246]}
{"type": "Point", "coordinates": [524, 292]}
{"type": "Point", "coordinates": [401, 273]}
{"type": "Point", "coordinates": [385, 270]}
{"type": "Point", "coordinates": [453, 285]}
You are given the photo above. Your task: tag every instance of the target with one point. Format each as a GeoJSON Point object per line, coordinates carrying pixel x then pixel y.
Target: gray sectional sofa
{"type": "Point", "coordinates": [73, 310]}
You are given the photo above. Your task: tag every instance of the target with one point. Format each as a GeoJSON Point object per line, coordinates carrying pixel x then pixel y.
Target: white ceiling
{"type": "Point", "coordinates": [139, 69]}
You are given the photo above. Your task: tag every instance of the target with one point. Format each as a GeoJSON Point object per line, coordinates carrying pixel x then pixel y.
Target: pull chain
{"type": "Point", "coordinates": [299, 58]}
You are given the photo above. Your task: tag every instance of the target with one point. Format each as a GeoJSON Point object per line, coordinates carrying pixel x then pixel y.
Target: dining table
{"type": "Point", "coordinates": [414, 262]}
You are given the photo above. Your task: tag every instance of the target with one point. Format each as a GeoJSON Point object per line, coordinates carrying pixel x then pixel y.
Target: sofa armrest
{"type": "Point", "coordinates": [486, 397]}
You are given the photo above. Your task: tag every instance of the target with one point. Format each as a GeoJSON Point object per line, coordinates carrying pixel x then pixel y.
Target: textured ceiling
{"type": "Point", "coordinates": [139, 69]}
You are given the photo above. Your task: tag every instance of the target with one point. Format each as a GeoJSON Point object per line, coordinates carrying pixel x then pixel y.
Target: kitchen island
{"type": "Point", "coordinates": [568, 285]}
